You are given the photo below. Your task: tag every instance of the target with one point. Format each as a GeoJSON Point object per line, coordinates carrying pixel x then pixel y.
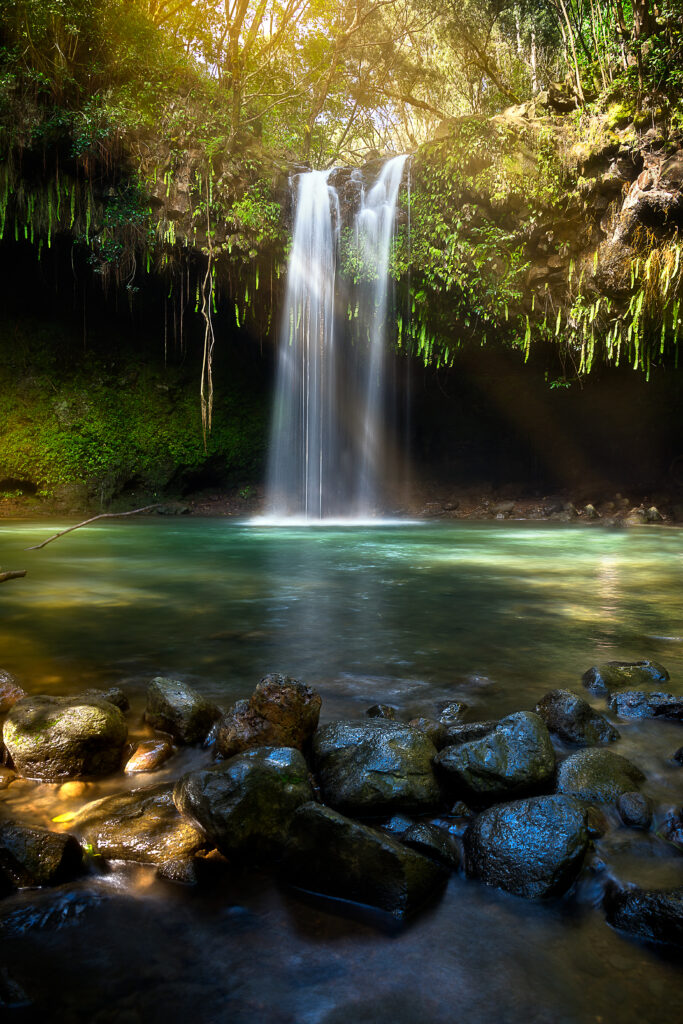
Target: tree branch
{"type": "Point", "coordinates": [104, 515]}
{"type": "Point", "coordinates": [11, 574]}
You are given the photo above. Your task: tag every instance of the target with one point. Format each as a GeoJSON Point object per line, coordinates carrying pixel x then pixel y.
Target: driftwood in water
{"type": "Point", "coordinates": [103, 515]}
{"type": "Point", "coordinates": [11, 574]}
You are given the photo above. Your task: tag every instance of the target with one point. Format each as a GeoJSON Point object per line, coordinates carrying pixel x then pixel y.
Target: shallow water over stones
{"type": "Point", "coordinates": [416, 617]}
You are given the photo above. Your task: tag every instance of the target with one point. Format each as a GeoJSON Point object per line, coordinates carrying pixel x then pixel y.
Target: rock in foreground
{"type": "Point", "coordinates": [10, 691]}
{"type": "Point", "coordinates": [517, 757]}
{"type": "Point", "coordinates": [599, 776]}
{"type": "Point", "coordinates": [53, 738]}
{"type": "Point", "coordinates": [622, 675]}
{"type": "Point", "coordinates": [245, 805]}
{"type": "Point", "coordinates": [178, 709]}
{"type": "Point", "coordinates": [532, 848]}
{"type": "Point", "coordinates": [143, 826]}
{"type": "Point", "coordinates": [640, 704]}
{"type": "Point", "coordinates": [375, 767]}
{"type": "Point", "coordinates": [281, 712]}
{"type": "Point", "coordinates": [334, 856]}
{"type": "Point", "coordinates": [573, 719]}
{"type": "Point", "coordinates": [655, 914]}
{"type": "Point", "coordinates": [36, 856]}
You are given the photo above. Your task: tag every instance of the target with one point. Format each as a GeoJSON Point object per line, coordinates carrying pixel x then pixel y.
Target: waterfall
{"type": "Point", "coordinates": [328, 419]}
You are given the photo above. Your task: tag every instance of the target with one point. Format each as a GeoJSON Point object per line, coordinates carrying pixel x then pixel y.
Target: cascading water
{"type": "Point", "coordinates": [327, 432]}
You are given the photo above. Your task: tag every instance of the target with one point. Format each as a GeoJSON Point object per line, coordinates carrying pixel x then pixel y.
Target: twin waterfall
{"type": "Point", "coordinates": [328, 442]}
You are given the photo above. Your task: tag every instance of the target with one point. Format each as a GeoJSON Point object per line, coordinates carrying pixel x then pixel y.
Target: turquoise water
{"type": "Point", "coordinates": [413, 615]}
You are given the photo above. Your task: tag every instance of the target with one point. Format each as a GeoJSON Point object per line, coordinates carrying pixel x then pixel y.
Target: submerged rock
{"type": "Point", "coordinates": [640, 704]}
{"type": "Point", "coordinates": [654, 914]}
{"type": "Point", "coordinates": [678, 755]}
{"type": "Point", "coordinates": [622, 675]}
{"type": "Point", "coordinates": [599, 776]}
{"type": "Point", "coordinates": [10, 691]}
{"type": "Point", "coordinates": [53, 738]}
{"type": "Point", "coordinates": [635, 810]}
{"type": "Point", "coordinates": [143, 825]}
{"type": "Point", "coordinates": [573, 719]}
{"type": "Point", "coordinates": [381, 711]}
{"type": "Point", "coordinates": [452, 713]}
{"type": "Point", "coordinates": [532, 848]}
{"type": "Point", "coordinates": [36, 856]}
{"type": "Point", "coordinates": [334, 856]}
{"type": "Point", "coordinates": [671, 828]}
{"type": "Point", "coordinates": [245, 805]}
{"type": "Point", "coordinates": [515, 758]}
{"type": "Point", "coordinates": [375, 767]}
{"type": "Point", "coordinates": [149, 755]}
{"type": "Point", "coordinates": [281, 712]}
{"type": "Point", "coordinates": [178, 709]}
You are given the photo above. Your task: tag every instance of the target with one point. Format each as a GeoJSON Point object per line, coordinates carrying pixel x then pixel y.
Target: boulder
{"type": "Point", "coordinates": [149, 755]}
{"type": "Point", "coordinates": [671, 828]}
{"type": "Point", "coordinates": [10, 691]}
{"type": "Point", "coordinates": [635, 810]}
{"type": "Point", "coordinates": [573, 719]}
{"type": "Point", "coordinates": [245, 804]}
{"type": "Point", "coordinates": [654, 914]}
{"type": "Point", "coordinates": [433, 841]}
{"type": "Point", "coordinates": [452, 713]}
{"type": "Point", "coordinates": [599, 776]}
{"type": "Point", "coordinates": [36, 856]}
{"type": "Point", "coordinates": [641, 704]}
{"type": "Point", "coordinates": [281, 712]}
{"type": "Point", "coordinates": [516, 758]}
{"type": "Point", "coordinates": [53, 738]}
{"type": "Point", "coordinates": [178, 709]}
{"type": "Point", "coordinates": [375, 767]}
{"type": "Point", "coordinates": [622, 675]}
{"type": "Point", "coordinates": [143, 825]}
{"type": "Point", "coordinates": [381, 711]}
{"type": "Point", "coordinates": [532, 848]}
{"type": "Point", "coordinates": [334, 856]}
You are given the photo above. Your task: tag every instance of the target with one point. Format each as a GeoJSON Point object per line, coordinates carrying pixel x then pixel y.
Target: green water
{"type": "Point", "coordinates": [413, 615]}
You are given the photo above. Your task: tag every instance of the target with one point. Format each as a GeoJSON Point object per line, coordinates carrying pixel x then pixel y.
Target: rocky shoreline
{"type": "Point", "coordinates": [376, 812]}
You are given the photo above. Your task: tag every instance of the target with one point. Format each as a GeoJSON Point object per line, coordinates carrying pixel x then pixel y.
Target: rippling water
{"type": "Point", "coordinates": [412, 615]}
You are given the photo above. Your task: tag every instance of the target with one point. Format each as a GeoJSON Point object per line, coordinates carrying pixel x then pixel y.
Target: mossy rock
{"type": "Point", "coordinates": [55, 738]}
{"type": "Point", "coordinates": [599, 776]}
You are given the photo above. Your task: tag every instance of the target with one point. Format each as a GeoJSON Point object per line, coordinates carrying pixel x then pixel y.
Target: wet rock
{"type": "Point", "coordinates": [635, 810]}
{"type": "Point", "coordinates": [36, 856]}
{"type": "Point", "coordinates": [375, 767]}
{"type": "Point", "coordinates": [181, 870]}
{"type": "Point", "coordinates": [654, 914]}
{"type": "Point", "coordinates": [590, 512]}
{"type": "Point", "coordinates": [466, 731]}
{"type": "Point", "coordinates": [503, 507]}
{"type": "Point", "coordinates": [622, 675]}
{"type": "Point", "coordinates": [10, 691]}
{"type": "Point", "coordinates": [532, 848]}
{"type": "Point", "coordinates": [461, 810]}
{"type": "Point", "coordinates": [516, 758]}
{"type": "Point", "coordinates": [7, 776]}
{"type": "Point", "coordinates": [599, 776]}
{"type": "Point", "coordinates": [245, 805]}
{"type": "Point", "coordinates": [334, 856]}
{"type": "Point", "coordinates": [53, 738]}
{"type": "Point", "coordinates": [178, 709]}
{"type": "Point", "coordinates": [72, 790]}
{"type": "Point", "coordinates": [381, 711]}
{"type": "Point", "coordinates": [114, 695]}
{"type": "Point", "coordinates": [143, 825]}
{"type": "Point", "coordinates": [452, 713]}
{"type": "Point", "coordinates": [435, 842]}
{"type": "Point", "coordinates": [282, 712]}
{"type": "Point", "coordinates": [149, 755]}
{"type": "Point", "coordinates": [671, 828]}
{"type": "Point", "coordinates": [573, 719]}
{"type": "Point", "coordinates": [434, 730]}
{"type": "Point", "coordinates": [640, 704]}
{"type": "Point", "coordinates": [636, 517]}
{"type": "Point", "coordinates": [653, 515]}
{"type": "Point", "coordinates": [678, 756]}
{"type": "Point", "coordinates": [398, 824]}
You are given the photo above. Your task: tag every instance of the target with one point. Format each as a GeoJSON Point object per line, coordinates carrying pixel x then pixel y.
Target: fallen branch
{"type": "Point", "coordinates": [103, 515]}
{"type": "Point", "coordinates": [12, 574]}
